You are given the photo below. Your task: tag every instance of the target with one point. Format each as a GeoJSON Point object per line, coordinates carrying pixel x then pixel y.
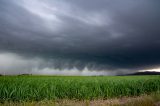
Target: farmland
{"type": "Point", "coordinates": [38, 88]}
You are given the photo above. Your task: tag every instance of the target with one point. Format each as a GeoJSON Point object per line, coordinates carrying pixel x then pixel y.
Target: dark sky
{"type": "Point", "coordinates": [81, 37]}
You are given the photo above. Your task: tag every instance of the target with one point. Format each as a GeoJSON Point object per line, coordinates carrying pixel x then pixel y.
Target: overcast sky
{"type": "Point", "coordinates": [79, 37]}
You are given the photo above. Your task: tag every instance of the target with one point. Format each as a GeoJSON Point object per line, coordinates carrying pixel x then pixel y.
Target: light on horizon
{"type": "Point", "coordinates": [151, 70]}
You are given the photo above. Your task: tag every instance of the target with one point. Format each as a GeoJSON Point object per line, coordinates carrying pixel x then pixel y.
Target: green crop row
{"type": "Point", "coordinates": [35, 88]}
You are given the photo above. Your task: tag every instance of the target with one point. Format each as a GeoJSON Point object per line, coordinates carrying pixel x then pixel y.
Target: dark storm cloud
{"type": "Point", "coordinates": [100, 35]}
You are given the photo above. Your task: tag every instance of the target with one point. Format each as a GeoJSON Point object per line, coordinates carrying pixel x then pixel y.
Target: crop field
{"type": "Point", "coordinates": [37, 88]}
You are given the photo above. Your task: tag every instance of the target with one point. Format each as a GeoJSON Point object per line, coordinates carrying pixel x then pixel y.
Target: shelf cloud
{"type": "Point", "coordinates": [79, 37]}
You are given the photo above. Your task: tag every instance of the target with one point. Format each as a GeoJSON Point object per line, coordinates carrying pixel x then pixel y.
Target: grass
{"type": "Point", "coordinates": [143, 100]}
{"type": "Point", "coordinates": [39, 88]}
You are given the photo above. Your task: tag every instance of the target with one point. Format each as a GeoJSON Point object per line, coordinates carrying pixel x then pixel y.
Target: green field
{"type": "Point", "coordinates": [37, 88]}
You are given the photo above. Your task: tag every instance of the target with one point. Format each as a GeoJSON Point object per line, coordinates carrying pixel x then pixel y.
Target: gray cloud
{"type": "Point", "coordinates": [13, 64]}
{"type": "Point", "coordinates": [100, 35]}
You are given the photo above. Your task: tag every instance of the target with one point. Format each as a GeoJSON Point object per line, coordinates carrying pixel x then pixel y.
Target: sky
{"type": "Point", "coordinates": [79, 37]}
